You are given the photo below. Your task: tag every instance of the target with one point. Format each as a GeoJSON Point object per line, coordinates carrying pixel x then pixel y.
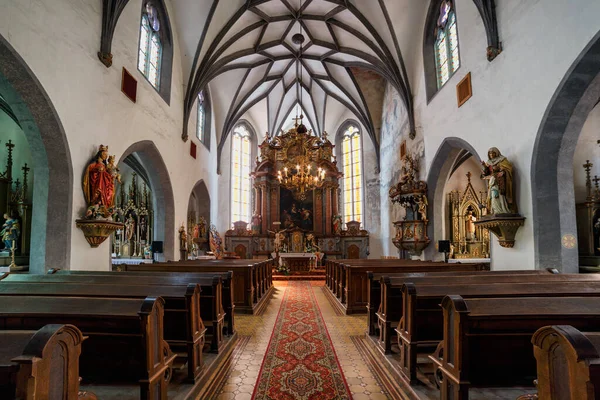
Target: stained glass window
{"type": "Point", "coordinates": [240, 174]}
{"type": "Point", "coordinates": [447, 59]}
{"type": "Point", "coordinates": [201, 117]}
{"type": "Point", "coordinates": [150, 49]}
{"type": "Point", "coordinates": [352, 162]}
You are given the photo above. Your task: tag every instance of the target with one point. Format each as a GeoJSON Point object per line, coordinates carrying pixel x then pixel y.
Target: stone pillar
{"type": "Point", "coordinates": [274, 205]}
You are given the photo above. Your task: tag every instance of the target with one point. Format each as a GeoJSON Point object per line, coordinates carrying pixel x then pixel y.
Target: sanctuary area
{"type": "Point", "coordinates": [299, 199]}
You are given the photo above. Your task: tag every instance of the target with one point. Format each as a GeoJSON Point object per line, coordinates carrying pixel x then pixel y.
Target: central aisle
{"type": "Point", "coordinates": [258, 334]}
{"type": "Point", "coordinates": [300, 362]}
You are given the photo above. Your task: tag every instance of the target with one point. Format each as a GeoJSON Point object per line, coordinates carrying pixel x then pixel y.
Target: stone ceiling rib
{"type": "Point", "coordinates": [255, 37]}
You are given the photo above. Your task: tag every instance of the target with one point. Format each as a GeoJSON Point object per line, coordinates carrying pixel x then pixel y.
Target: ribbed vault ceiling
{"type": "Point", "coordinates": [245, 52]}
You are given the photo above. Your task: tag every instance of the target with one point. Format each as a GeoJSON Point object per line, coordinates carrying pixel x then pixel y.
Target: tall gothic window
{"type": "Point", "coordinates": [201, 117]}
{"type": "Point", "coordinates": [447, 59]}
{"type": "Point", "coordinates": [241, 187]}
{"type": "Point", "coordinates": [150, 48]}
{"type": "Point", "coordinates": [353, 187]}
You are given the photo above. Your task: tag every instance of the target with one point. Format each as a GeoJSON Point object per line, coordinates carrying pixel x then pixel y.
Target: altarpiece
{"type": "Point", "coordinates": [306, 220]}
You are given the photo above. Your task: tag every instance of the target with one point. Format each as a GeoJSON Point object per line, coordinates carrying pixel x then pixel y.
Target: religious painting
{"type": "Point", "coordinates": [296, 213]}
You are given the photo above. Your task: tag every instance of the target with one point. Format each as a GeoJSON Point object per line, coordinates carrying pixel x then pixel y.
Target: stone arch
{"type": "Point", "coordinates": [552, 160]}
{"type": "Point", "coordinates": [200, 201]}
{"type": "Point", "coordinates": [439, 172]}
{"type": "Point", "coordinates": [160, 182]}
{"type": "Point", "coordinates": [52, 213]}
{"type": "Point", "coordinates": [223, 140]}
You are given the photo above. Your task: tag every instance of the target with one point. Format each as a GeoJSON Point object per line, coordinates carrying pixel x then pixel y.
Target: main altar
{"type": "Point", "coordinates": [296, 202]}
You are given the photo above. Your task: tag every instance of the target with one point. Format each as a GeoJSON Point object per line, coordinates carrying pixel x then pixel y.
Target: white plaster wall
{"type": "Point", "coordinates": [587, 149]}
{"type": "Point", "coordinates": [541, 39]}
{"type": "Point", "coordinates": [59, 39]}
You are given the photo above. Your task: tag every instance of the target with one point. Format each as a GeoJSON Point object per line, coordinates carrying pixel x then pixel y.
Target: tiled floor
{"type": "Point", "coordinates": [240, 380]}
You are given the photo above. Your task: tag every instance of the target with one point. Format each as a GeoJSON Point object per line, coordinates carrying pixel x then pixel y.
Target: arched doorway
{"type": "Point", "coordinates": [451, 151]}
{"type": "Point", "coordinates": [163, 204]}
{"type": "Point", "coordinates": [199, 220]}
{"type": "Point", "coordinates": [555, 227]}
{"type": "Point", "coordinates": [52, 197]}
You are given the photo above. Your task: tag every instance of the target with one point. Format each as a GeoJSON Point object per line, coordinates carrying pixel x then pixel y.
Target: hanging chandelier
{"type": "Point", "coordinates": [302, 177]}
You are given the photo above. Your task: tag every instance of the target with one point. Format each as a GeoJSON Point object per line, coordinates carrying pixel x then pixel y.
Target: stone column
{"type": "Point", "coordinates": [318, 211]}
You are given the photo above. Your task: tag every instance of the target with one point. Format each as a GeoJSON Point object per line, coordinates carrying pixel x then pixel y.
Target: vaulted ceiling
{"type": "Point", "coordinates": [243, 50]}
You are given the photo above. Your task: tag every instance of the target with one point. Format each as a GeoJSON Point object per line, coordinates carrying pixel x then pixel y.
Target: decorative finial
{"type": "Point", "coordinates": [469, 176]}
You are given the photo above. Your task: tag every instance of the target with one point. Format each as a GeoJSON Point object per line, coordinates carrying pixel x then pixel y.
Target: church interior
{"type": "Point", "coordinates": [299, 199]}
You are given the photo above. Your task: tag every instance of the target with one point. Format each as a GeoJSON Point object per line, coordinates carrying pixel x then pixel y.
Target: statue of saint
{"type": "Point", "coordinates": [182, 238]}
{"type": "Point", "coordinates": [99, 183]}
{"type": "Point", "coordinates": [129, 228]}
{"type": "Point", "coordinates": [10, 232]}
{"type": "Point", "coordinates": [499, 173]}
{"type": "Point", "coordinates": [337, 224]}
{"type": "Point", "coordinates": [202, 227]}
{"type": "Point", "coordinates": [470, 226]}
{"type": "Point", "coordinates": [256, 222]}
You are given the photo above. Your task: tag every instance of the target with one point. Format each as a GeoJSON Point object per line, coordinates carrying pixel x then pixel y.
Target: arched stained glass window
{"type": "Point", "coordinates": [353, 179]}
{"type": "Point", "coordinates": [241, 187]}
{"type": "Point", "coordinates": [150, 48]}
{"type": "Point", "coordinates": [201, 117]}
{"type": "Point", "coordinates": [447, 59]}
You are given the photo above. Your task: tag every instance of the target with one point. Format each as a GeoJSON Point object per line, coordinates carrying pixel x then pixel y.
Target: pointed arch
{"type": "Point", "coordinates": [52, 213]}
{"type": "Point", "coordinates": [440, 171]}
{"type": "Point", "coordinates": [160, 183]}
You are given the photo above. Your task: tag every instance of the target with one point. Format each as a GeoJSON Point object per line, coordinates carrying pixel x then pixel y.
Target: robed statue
{"type": "Point", "coordinates": [10, 232]}
{"type": "Point", "coordinates": [498, 171]}
{"type": "Point", "coordinates": [99, 184]}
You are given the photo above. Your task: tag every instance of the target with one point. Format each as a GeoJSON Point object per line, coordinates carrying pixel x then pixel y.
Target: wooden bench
{"type": "Point", "coordinates": [375, 286]}
{"type": "Point", "coordinates": [169, 278]}
{"type": "Point", "coordinates": [421, 322]}
{"type": "Point", "coordinates": [487, 342]}
{"type": "Point", "coordinates": [183, 326]}
{"type": "Point", "coordinates": [40, 365]}
{"type": "Point", "coordinates": [351, 293]}
{"type": "Point", "coordinates": [250, 291]}
{"type": "Point", "coordinates": [211, 305]}
{"type": "Point", "coordinates": [125, 336]}
{"type": "Point", "coordinates": [568, 363]}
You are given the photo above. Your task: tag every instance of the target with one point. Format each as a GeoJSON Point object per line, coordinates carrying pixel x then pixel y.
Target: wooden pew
{"type": "Point", "coordinates": [168, 278]}
{"type": "Point", "coordinates": [350, 295]}
{"type": "Point", "coordinates": [421, 322]}
{"type": "Point", "coordinates": [183, 326]}
{"type": "Point", "coordinates": [252, 288]}
{"type": "Point", "coordinates": [568, 363]}
{"type": "Point", "coordinates": [211, 308]}
{"type": "Point", "coordinates": [487, 342]}
{"type": "Point", "coordinates": [40, 365]}
{"type": "Point", "coordinates": [374, 290]}
{"type": "Point", "coordinates": [125, 336]}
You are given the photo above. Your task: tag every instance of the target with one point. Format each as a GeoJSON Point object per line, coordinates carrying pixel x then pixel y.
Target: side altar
{"type": "Point", "coordinates": [296, 202]}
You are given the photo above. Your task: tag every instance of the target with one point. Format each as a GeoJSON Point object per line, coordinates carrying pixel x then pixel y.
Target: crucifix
{"type": "Point", "coordinates": [588, 181]}
{"type": "Point", "coordinates": [298, 118]}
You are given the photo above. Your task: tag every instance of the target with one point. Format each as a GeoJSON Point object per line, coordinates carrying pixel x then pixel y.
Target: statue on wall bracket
{"type": "Point", "coordinates": [503, 219]}
{"type": "Point", "coordinates": [411, 194]}
{"type": "Point", "coordinates": [99, 192]}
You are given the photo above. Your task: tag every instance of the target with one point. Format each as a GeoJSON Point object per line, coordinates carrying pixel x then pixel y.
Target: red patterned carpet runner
{"type": "Point", "coordinates": [300, 363]}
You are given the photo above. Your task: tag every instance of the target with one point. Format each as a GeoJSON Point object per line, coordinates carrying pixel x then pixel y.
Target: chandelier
{"type": "Point", "coordinates": [302, 178]}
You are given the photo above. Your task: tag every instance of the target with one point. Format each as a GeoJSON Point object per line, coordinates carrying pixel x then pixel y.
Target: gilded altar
{"type": "Point", "coordinates": [467, 239]}
{"type": "Point", "coordinates": [297, 193]}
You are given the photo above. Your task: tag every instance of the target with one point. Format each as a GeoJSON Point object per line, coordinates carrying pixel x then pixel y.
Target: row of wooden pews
{"type": "Point", "coordinates": [252, 279]}
{"type": "Point", "coordinates": [32, 362]}
{"type": "Point", "coordinates": [147, 327]}
{"type": "Point", "coordinates": [464, 329]}
{"type": "Point", "coordinates": [348, 283]}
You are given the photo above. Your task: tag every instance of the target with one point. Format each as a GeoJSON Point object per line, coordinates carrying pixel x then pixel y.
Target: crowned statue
{"type": "Point", "coordinates": [99, 185]}
{"type": "Point", "coordinates": [498, 171]}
